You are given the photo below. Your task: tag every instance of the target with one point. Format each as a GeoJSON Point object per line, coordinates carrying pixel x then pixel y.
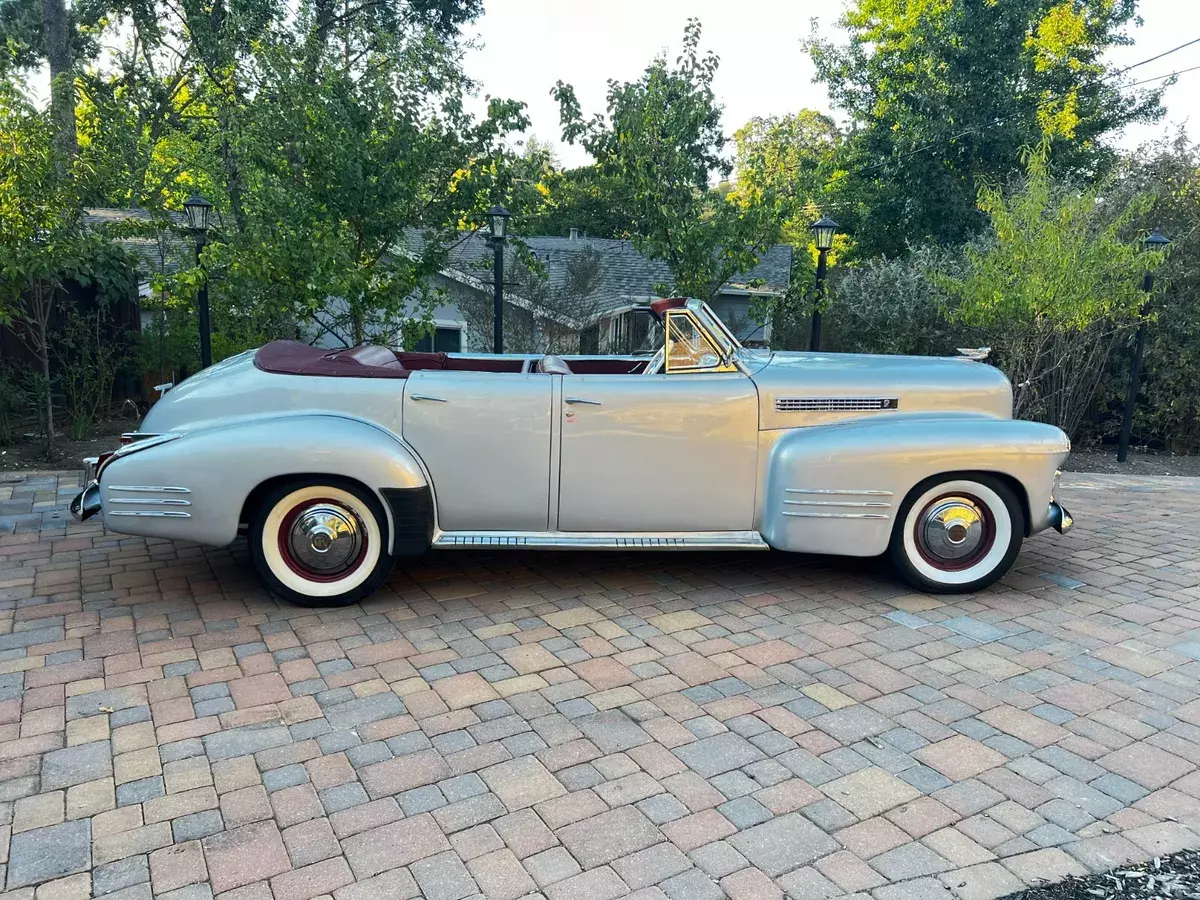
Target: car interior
{"type": "Point", "coordinates": [372, 361]}
{"type": "Point", "coordinates": [375, 361]}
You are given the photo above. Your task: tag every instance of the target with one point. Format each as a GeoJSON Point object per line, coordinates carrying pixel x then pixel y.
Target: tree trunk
{"type": "Point", "coordinates": [57, 25]}
{"type": "Point", "coordinates": [44, 359]}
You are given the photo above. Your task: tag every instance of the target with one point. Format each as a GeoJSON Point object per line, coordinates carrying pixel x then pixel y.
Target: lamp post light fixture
{"type": "Point", "coordinates": [199, 214]}
{"type": "Point", "coordinates": [1155, 241]}
{"type": "Point", "coordinates": [823, 231]}
{"type": "Point", "coordinates": [498, 218]}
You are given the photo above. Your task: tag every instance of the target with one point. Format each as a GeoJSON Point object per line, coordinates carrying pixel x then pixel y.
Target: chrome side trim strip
{"type": "Point", "coordinates": [825, 515]}
{"type": "Point", "coordinates": [150, 501]}
{"type": "Point", "coordinates": [715, 540]}
{"type": "Point", "coordinates": [148, 489]}
{"type": "Point", "coordinates": [832, 491]}
{"type": "Point", "coordinates": [150, 513]}
{"type": "Point", "coordinates": [878, 504]}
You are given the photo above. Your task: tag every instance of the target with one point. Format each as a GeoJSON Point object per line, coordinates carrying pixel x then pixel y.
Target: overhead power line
{"type": "Point", "coordinates": [975, 129]}
{"type": "Point", "coordinates": [1153, 58]}
{"type": "Point", "coordinates": [1165, 77]}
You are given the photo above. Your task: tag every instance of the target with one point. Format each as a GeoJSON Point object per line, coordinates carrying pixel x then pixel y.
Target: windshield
{"type": "Point", "coordinates": [715, 326]}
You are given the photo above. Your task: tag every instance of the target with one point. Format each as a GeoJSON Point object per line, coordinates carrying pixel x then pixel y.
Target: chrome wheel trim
{"type": "Point", "coordinates": [325, 539]}
{"type": "Point", "coordinates": [273, 529]}
{"type": "Point", "coordinates": [952, 530]}
{"type": "Point", "coordinates": [1002, 536]}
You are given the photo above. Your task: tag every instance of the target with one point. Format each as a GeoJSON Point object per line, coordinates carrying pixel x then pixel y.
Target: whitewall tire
{"type": "Point", "coordinates": [320, 542]}
{"type": "Point", "coordinates": [957, 534]}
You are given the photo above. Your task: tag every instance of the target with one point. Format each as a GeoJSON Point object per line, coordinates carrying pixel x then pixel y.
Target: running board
{"type": "Point", "coordinates": [566, 540]}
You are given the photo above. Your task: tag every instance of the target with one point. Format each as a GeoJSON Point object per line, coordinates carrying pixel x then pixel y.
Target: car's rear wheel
{"type": "Point", "coordinates": [957, 534]}
{"type": "Point", "coordinates": [320, 542]}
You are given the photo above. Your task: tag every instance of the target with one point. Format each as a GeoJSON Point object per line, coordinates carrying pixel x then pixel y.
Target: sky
{"type": "Point", "coordinates": [524, 46]}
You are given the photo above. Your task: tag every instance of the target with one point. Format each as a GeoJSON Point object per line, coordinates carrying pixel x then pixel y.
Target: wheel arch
{"type": "Point", "coordinates": [255, 498]}
{"type": "Point", "coordinates": [1006, 478]}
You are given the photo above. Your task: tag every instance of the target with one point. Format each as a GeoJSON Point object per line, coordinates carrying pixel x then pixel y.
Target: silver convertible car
{"type": "Point", "coordinates": [337, 463]}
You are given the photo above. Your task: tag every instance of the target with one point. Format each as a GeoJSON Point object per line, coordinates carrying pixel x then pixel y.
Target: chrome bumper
{"type": "Point", "coordinates": [1060, 520]}
{"type": "Point", "coordinates": [86, 503]}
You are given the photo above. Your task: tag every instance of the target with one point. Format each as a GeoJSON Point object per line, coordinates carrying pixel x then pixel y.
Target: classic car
{"type": "Point", "coordinates": [337, 463]}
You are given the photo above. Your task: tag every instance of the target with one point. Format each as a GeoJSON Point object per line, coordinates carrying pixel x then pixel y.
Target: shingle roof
{"type": "Point", "coordinates": [623, 276]}
{"type": "Point", "coordinates": [164, 252]}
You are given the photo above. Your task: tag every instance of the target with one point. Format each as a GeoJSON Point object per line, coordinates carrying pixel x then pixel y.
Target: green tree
{"type": "Point", "coordinates": [341, 170]}
{"type": "Point", "coordinates": [943, 95]}
{"type": "Point", "coordinates": [328, 134]}
{"type": "Point", "coordinates": [662, 142]}
{"type": "Point", "coordinates": [784, 166]}
{"type": "Point", "coordinates": [1055, 287]}
{"type": "Point", "coordinates": [586, 198]}
{"type": "Point", "coordinates": [43, 244]}
{"type": "Point", "coordinates": [785, 163]}
{"type": "Point", "coordinates": [1168, 410]}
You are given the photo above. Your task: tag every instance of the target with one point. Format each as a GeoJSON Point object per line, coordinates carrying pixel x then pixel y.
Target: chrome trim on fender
{"type": "Point", "coordinates": [832, 491]}
{"type": "Point", "coordinates": [148, 489]}
{"type": "Point", "coordinates": [149, 501]}
{"type": "Point", "coordinates": [90, 464]}
{"type": "Point", "coordinates": [824, 515]}
{"type": "Point", "coordinates": [150, 513]}
{"type": "Point", "coordinates": [696, 540]}
{"type": "Point", "coordinates": [875, 504]}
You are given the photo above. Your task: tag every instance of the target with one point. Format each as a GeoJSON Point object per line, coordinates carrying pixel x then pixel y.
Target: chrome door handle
{"type": "Point", "coordinates": [584, 401]}
{"type": "Point", "coordinates": [427, 397]}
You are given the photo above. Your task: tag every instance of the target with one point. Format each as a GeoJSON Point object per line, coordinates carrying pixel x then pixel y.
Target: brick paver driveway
{"type": "Point", "coordinates": [595, 726]}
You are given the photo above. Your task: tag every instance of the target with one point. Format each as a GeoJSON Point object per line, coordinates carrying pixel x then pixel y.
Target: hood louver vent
{"type": "Point", "coordinates": [835, 404]}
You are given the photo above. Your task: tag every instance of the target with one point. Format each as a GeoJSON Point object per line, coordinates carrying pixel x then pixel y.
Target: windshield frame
{"type": "Point", "coordinates": [718, 331]}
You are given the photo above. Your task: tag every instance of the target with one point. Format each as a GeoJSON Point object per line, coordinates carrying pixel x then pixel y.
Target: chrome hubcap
{"type": "Point", "coordinates": [952, 530]}
{"type": "Point", "coordinates": [325, 539]}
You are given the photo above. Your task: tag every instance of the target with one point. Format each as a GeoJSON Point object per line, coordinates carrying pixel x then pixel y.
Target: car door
{"type": "Point", "coordinates": [653, 453]}
{"type": "Point", "coordinates": [485, 439]}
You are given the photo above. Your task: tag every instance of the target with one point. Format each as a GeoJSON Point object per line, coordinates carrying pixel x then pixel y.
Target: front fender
{"type": "Point", "coordinates": [194, 487]}
{"type": "Point", "coordinates": [838, 488]}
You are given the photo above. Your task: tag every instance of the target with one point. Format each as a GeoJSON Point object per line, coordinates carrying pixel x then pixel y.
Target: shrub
{"type": "Point", "coordinates": [896, 306]}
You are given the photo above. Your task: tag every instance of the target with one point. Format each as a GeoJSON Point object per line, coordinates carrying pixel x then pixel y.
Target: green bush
{"type": "Point", "coordinates": [895, 306]}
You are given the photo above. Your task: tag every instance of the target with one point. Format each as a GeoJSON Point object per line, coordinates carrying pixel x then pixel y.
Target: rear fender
{"type": "Point", "coordinates": [213, 471]}
{"type": "Point", "coordinates": [838, 488]}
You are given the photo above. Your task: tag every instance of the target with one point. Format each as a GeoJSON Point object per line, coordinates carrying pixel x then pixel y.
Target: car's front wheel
{"type": "Point", "coordinates": [957, 534]}
{"type": "Point", "coordinates": [320, 542]}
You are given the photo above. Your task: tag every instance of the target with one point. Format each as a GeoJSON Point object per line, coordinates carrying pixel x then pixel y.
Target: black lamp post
{"type": "Point", "coordinates": [498, 218]}
{"type": "Point", "coordinates": [823, 231]}
{"type": "Point", "coordinates": [199, 213]}
{"type": "Point", "coordinates": [1154, 241]}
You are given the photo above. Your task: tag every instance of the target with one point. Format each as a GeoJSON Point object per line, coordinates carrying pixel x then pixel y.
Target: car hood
{"type": "Point", "coordinates": [815, 388]}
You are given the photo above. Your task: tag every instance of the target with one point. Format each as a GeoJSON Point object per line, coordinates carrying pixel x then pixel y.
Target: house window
{"type": "Point", "coordinates": [445, 339]}
{"type": "Point", "coordinates": [589, 341]}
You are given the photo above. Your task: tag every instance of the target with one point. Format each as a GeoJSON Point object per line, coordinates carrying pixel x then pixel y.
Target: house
{"type": "Point", "coordinates": [578, 295]}
{"type": "Point", "coordinates": [562, 294]}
